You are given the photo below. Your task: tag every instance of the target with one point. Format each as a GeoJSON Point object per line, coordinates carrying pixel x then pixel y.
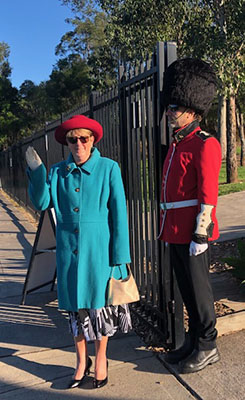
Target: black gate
{"type": "Point", "coordinates": [144, 141]}
{"type": "Point", "coordinates": [135, 135]}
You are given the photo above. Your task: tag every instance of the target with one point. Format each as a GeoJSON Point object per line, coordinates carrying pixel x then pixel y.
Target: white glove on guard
{"type": "Point", "coordinates": [196, 248]}
{"type": "Point", "coordinates": [32, 158]}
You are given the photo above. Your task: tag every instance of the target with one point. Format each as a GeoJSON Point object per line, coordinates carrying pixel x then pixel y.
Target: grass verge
{"type": "Point", "coordinates": [226, 188]}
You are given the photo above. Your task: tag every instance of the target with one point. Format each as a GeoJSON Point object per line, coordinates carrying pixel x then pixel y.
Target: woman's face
{"type": "Point", "coordinates": [81, 149]}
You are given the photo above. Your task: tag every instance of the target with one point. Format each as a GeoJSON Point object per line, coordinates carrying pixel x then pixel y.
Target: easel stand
{"type": "Point", "coordinates": [42, 265]}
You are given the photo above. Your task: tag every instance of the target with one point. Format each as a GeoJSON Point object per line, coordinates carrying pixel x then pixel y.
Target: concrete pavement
{"type": "Point", "coordinates": [231, 216]}
{"type": "Point", "coordinates": [37, 354]}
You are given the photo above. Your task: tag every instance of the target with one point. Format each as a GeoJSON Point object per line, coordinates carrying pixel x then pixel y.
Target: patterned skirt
{"type": "Point", "coordinates": [105, 321]}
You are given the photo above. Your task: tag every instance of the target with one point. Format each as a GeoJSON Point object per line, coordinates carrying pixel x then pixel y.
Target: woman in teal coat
{"type": "Point", "coordinates": [87, 193]}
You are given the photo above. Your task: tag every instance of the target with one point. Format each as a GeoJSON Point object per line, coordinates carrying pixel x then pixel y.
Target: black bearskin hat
{"type": "Point", "coordinates": [190, 83]}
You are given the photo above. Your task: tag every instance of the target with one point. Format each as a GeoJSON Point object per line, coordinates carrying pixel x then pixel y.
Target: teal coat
{"type": "Point", "coordinates": [92, 228]}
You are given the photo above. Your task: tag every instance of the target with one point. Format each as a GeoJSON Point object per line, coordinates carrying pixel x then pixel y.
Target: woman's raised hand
{"type": "Point", "coordinates": [32, 158]}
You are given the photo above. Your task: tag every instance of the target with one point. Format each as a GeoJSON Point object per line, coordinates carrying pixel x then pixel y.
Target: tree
{"type": "Point", "coordinates": [9, 101]}
{"type": "Point", "coordinates": [88, 40]}
{"type": "Point", "coordinates": [222, 42]}
{"type": "Point", "coordinates": [127, 31]}
{"type": "Point", "coordinates": [35, 107]}
{"type": "Point", "coordinates": [211, 29]}
{"type": "Point", "coordinates": [5, 69]}
{"type": "Point", "coordinates": [9, 107]}
{"type": "Point", "coordinates": [69, 84]}
{"type": "Point", "coordinates": [134, 26]}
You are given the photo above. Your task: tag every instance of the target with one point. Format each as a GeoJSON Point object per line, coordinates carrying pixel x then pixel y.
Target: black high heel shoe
{"type": "Point", "coordinates": [99, 383]}
{"type": "Point", "coordinates": [77, 382]}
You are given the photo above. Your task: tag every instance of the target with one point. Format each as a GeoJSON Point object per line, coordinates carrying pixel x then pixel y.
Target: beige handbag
{"type": "Point", "coordinates": [122, 291]}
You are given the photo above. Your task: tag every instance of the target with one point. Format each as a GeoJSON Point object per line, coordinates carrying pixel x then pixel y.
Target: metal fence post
{"type": "Point", "coordinates": [166, 54]}
{"type": "Point", "coordinates": [91, 105]}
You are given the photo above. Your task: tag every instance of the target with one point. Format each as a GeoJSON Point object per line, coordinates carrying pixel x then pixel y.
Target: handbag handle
{"type": "Point", "coordinates": [119, 266]}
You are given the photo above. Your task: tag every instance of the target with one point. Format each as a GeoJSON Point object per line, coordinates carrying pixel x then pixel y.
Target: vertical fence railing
{"type": "Point", "coordinates": [139, 99]}
{"type": "Point", "coordinates": [136, 136]}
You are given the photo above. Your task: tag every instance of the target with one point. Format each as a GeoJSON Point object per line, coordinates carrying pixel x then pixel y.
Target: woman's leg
{"type": "Point", "coordinates": [81, 352]}
{"type": "Point", "coordinates": [100, 359]}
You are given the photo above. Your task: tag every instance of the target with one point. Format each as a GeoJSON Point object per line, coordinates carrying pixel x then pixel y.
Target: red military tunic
{"type": "Point", "coordinates": [190, 171]}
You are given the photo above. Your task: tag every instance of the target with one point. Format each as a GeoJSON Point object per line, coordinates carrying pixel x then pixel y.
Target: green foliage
{"type": "Point", "coordinates": [238, 264]}
{"type": "Point", "coordinates": [88, 39]}
{"type": "Point", "coordinates": [35, 107]}
{"type": "Point", "coordinates": [5, 69]}
{"type": "Point", "coordinates": [69, 84]}
{"type": "Point", "coordinates": [217, 34]}
{"type": "Point", "coordinates": [29, 109]}
{"type": "Point", "coordinates": [9, 108]}
{"type": "Point", "coordinates": [106, 31]}
{"type": "Point", "coordinates": [210, 29]}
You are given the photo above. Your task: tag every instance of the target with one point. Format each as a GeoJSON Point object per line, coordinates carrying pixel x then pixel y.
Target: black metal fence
{"type": "Point", "coordinates": [135, 135]}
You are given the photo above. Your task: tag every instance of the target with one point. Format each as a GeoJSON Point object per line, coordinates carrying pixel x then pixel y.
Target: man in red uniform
{"type": "Point", "coordinates": [188, 203]}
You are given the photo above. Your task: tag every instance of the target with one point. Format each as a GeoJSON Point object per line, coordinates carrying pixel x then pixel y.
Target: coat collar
{"type": "Point", "coordinates": [87, 167]}
{"type": "Point", "coordinates": [181, 133]}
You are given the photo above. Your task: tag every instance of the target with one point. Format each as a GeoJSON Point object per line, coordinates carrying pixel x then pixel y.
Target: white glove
{"type": "Point", "coordinates": [197, 248]}
{"type": "Point", "coordinates": [32, 158]}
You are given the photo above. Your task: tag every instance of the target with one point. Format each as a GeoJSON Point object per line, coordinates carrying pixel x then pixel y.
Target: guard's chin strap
{"type": "Point", "coordinates": [204, 224]}
{"type": "Point", "coordinates": [181, 114]}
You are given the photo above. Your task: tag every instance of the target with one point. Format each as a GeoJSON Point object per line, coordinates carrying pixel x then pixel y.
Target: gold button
{"type": "Point", "coordinates": [77, 190]}
{"type": "Point", "coordinates": [76, 209]}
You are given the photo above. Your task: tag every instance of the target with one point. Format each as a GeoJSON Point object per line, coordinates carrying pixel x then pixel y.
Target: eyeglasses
{"type": "Point", "coordinates": [83, 139]}
{"type": "Point", "coordinates": [173, 107]}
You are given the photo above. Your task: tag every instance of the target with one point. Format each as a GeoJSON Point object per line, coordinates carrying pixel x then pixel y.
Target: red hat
{"type": "Point", "coordinates": [76, 122]}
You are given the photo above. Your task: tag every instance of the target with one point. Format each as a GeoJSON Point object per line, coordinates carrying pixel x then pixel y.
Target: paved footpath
{"type": "Point", "coordinates": [37, 353]}
{"type": "Point", "coordinates": [231, 216]}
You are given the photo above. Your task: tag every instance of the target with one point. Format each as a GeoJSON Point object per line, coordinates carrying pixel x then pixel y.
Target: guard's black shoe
{"type": "Point", "coordinates": [175, 356]}
{"type": "Point", "coordinates": [198, 360]}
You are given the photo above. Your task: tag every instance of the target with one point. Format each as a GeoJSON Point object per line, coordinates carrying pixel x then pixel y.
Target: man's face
{"type": "Point", "coordinates": [179, 116]}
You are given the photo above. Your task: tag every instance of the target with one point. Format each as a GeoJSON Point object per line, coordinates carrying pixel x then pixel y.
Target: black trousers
{"type": "Point", "coordinates": [192, 275]}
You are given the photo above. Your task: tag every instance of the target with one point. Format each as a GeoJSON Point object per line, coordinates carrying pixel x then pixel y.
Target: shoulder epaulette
{"type": "Point", "coordinates": [203, 135]}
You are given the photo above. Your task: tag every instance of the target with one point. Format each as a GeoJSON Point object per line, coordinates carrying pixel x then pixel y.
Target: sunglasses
{"type": "Point", "coordinates": [83, 139]}
{"type": "Point", "coordinates": [173, 107]}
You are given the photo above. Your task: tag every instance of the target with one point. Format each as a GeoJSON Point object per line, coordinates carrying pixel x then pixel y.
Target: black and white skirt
{"type": "Point", "coordinates": [95, 323]}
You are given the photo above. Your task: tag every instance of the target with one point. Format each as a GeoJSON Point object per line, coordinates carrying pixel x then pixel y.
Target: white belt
{"type": "Point", "coordinates": [178, 204]}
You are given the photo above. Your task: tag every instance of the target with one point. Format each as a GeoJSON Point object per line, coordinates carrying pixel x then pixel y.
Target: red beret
{"type": "Point", "coordinates": [76, 122]}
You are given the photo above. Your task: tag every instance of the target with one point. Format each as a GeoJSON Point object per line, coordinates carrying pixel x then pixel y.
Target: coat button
{"type": "Point", "coordinates": [76, 209]}
{"type": "Point", "coordinates": [76, 230]}
{"type": "Point", "coordinates": [77, 190]}
{"type": "Point", "coordinates": [75, 251]}
{"type": "Point", "coordinates": [68, 168]}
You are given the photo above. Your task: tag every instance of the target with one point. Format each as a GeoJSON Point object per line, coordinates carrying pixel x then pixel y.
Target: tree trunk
{"type": "Point", "coordinates": [240, 125]}
{"type": "Point", "coordinates": [222, 126]}
{"type": "Point", "coordinates": [231, 160]}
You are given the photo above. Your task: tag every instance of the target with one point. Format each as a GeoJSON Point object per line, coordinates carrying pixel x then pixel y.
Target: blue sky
{"type": "Point", "coordinates": [32, 29]}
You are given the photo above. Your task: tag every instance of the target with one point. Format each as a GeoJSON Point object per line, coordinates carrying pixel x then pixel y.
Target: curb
{"type": "Point", "coordinates": [231, 323]}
